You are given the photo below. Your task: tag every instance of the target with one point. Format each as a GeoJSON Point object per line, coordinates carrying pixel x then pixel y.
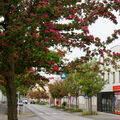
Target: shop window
{"type": "Point", "coordinates": [113, 77]}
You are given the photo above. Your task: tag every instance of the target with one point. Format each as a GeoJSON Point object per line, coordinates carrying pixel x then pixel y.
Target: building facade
{"type": "Point", "coordinates": [109, 98]}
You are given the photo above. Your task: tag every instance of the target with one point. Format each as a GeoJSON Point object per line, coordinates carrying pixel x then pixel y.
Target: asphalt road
{"type": "Point", "coordinates": [46, 113]}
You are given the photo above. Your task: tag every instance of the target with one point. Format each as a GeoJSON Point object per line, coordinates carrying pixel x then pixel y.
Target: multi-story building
{"type": "Point", "coordinates": [109, 98]}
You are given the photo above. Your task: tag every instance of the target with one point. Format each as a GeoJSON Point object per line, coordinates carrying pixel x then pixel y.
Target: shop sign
{"type": "Point", "coordinates": [116, 88]}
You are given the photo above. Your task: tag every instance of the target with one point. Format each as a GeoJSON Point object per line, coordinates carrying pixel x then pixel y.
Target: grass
{"type": "Point", "coordinates": [66, 109]}
{"type": "Point", "coordinates": [88, 113]}
{"type": "Point", "coordinates": [42, 103]}
{"type": "Point", "coordinates": [77, 110]}
{"type": "Point", "coordinates": [57, 107]}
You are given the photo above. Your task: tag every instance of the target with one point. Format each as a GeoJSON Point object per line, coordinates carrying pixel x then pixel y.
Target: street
{"type": "Point", "coordinates": [46, 113]}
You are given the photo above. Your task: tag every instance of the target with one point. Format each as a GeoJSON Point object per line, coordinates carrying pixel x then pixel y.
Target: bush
{"type": "Point", "coordinates": [57, 107]}
{"type": "Point", "coordinates": [67, 109]}
{"type": "Point", "coordinates": [78, 110]}
{"type": "Point", "coordinates": [88, 113]}
{"type": "Point", "coordinates": [42, 103]}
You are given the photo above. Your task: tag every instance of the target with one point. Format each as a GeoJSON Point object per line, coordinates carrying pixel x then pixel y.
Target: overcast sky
{"type": "Point", "coordinates": [102, 28]}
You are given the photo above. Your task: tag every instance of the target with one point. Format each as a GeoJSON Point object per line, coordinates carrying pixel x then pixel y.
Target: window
{"type": "Point", "coordinates": [113, 77]}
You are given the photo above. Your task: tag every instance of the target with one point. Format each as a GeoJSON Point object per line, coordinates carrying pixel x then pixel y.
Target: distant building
{"type": "Point", "coordinates": [2, 97]}
{"type": "Point", "coordinates": [109, 98]}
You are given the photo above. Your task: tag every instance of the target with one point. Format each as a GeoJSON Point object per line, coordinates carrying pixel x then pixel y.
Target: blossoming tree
{"type": "Point", "coordinates": [28, 28]}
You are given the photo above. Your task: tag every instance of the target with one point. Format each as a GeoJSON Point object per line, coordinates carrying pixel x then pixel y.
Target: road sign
{"type": "Point", "coordinates": [63, 76]}
{"type": "Point", "coordinates": [86, 97]}
{"type": "Point", "coordinates": [17, 93]}
{"type": "Point", "coordinates": [69, 97]}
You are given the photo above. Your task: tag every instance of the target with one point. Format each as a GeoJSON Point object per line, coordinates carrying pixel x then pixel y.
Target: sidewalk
{"type": "Point", "coordinates": [27, 115]}
{"type": "Point", "coordinates": [101, 116]}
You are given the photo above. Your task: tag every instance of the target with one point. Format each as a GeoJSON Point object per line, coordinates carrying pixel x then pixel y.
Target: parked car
{"type": "Point", "coordinates": [25, 101]}
{"type": "Point", "coordinates": [32, 102]}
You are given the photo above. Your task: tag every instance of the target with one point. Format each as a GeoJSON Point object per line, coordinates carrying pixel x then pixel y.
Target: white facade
{"type": "Point", "coordinates": [114, 76]}
{"type": "Point", "coordinates": [109, 98]}
{"type": "Point", "coordinates": [2, 97]}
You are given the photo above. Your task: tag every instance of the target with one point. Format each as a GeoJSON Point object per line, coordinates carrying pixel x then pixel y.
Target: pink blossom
{"type": "Point", "coordinates": [68, 68]}
{"type": "Point", "coordinates": [28, 19]}
{"type": "Point", "coordinates": [36, 42]}
{"type": "Point", "coordinates": [52, 36]}
{"type": "Point", "coordinates": [28, 49]}
{"type": "Point", "coordinates": [42, 2]}
{"type": "Point", "coordinates": [46, 31]}
{"type": "Point", "coordinates": [79, 19]}
{"type": "Point", "coordinates": [49, 62]}
{"type": "Point", "coordinates": [46, 39]}
{"type": "Point", "coordinates": [31, 14]}
{"type": "Point", "coordinates": [34, 36]}
{"type": "Point", "coordinates": [52, 31]}
{"type": "Point", "coordinates": [73, 16]}
{"type": "Point", "coordinates": [56, 68]}
{"type": "Point", "coordinates": [53, 62]}
{"type": "Point", "coordinates": [86, 29]}
{"type": "Point", "coordinates": [4, 44]}
{"type": "Point", "coordinates": [22, 3]}
{"type": "Point", "coordinates": [2, 34]}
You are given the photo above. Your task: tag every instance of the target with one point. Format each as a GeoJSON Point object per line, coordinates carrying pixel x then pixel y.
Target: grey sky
{"type": "Point", "coordinates": [102, 28]}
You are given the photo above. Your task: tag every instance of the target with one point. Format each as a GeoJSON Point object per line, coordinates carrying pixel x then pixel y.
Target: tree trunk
{"type": "Point", "coordinates": [90, 105]}
{"type": "Point", "coordinates": [11, 89]}
{"type": "Point", "coordinates": [76, 102]}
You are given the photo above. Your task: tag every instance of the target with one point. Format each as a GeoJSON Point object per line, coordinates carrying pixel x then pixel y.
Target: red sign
{"type": "Point", "coordinates": [116, 88]}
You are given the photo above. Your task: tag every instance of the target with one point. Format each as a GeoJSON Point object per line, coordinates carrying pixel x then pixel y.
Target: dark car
{"type": "Point", "coordinates": [32, 102]}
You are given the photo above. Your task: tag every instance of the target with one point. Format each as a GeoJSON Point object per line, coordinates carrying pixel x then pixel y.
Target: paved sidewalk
{"type": "Point", "coordinates": [102, 116]}
{"type": "Point", "coordinates": [27, 115]}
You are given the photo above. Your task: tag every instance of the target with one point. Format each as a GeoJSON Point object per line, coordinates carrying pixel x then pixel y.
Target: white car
{"type": "Point", "coordinates": [25, 101]}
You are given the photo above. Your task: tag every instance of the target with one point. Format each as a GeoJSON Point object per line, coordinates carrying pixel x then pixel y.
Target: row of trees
{"type": "Point", "coordinates": [38, 94]}
{"type": "Point", "coordinates": [28, 28]}
{"type": "Point", "coordinates": [87, 80]}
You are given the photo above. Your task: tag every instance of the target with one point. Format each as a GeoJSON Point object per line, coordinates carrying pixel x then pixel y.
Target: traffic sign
{"type": "Point", "coordinates": [17, 93]}
{"type": "Point", "coordinates": [63, 76]}
{"type": "Point", "coordinates": [69, 97]}
{"type": "Point", "coordinates": [86, 97]}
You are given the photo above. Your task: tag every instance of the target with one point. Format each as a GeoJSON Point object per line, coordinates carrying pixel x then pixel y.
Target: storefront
{"type": "Point", "coordinates": [116, 90]}
{"type": "Point", "coordinates": [109, 101]}
{"type": "Point", "coordinates": [105, 102]}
